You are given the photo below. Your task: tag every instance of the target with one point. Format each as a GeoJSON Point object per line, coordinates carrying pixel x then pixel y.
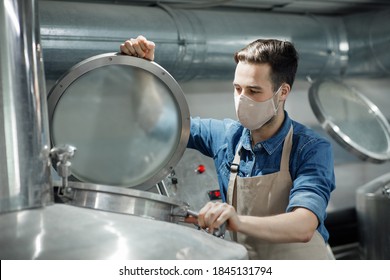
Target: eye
{"type": "Point", "coordinates": [237, 89]}
{"type": "Point", "coordinates": [254, 91]}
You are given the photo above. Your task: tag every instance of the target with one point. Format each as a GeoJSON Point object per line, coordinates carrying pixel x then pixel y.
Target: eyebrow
{"type": "Point", "coordinates": [251, 87]}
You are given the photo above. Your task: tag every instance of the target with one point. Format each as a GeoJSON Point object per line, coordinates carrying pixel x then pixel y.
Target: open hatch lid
{"type": "Point", "coordinates": [126, 116]}
{"type": "Point", "coordinates": [351, 119]}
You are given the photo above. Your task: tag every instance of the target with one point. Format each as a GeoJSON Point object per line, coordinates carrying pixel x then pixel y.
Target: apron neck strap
{"type": "Point", "coordinates": [284, 163]}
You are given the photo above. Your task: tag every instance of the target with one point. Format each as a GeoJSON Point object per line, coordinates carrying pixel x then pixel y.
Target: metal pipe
{"type": "Point", "coordinates": [369, 41]}
{"type": "Point", "coordinates": [24, 141]}
{"type": "Point", "coordinates": [190, 43]}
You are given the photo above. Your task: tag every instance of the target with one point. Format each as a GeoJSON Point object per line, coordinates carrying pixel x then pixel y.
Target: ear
{"type": "Point", "coordinates": [285, 90]}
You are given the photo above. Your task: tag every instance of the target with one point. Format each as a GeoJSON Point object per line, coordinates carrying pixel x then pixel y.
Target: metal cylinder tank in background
{"type": "Point", "coordinates": [373, 208]}
{"type": "Point", "coordinates": [24, 140]}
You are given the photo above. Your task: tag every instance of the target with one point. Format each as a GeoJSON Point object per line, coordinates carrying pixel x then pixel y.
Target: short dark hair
{"type": "Point", "coordinates": [280, 55]}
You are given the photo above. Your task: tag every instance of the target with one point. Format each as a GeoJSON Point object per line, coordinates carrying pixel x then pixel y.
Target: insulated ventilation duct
{"type": "Point", "coordinates": [199, 44]}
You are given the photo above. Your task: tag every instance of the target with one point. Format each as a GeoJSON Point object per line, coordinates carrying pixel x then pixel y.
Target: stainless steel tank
{"type": "Point", "coordinates": [24, 136]}
{"type": "Point", "coordinates": [373, 208]}
{"type": "Point", "coordinates": [64, 232]}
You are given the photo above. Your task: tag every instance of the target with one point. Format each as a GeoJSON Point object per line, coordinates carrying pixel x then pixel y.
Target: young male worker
{"type": "Point", "coordinates": [275, 174]}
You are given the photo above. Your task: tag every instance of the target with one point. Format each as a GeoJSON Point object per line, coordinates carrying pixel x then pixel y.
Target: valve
{"type": "Point", "coordinates": [61, 156]}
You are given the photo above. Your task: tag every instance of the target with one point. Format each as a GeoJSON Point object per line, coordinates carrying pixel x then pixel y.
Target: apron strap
{"type": "Point", "coordinates": [285, 161]}
{"type": "Point", "coordinates": [232, 189]}
{"type": "Point", "coordinates": [234, 167]}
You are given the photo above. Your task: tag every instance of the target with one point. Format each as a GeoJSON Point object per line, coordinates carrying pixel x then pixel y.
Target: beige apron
{"type": "Point", "coordinates": [265, 196]}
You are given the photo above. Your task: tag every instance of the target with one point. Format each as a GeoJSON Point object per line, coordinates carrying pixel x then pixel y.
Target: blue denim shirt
{"type": "Point", "coordinates": [311, 160]}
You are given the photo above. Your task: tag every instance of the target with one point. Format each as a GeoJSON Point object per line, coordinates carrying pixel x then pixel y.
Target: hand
{"type": "Point", "coordinates": [213, 215]}
{"type": "Point", "coordinates": [139, 47]}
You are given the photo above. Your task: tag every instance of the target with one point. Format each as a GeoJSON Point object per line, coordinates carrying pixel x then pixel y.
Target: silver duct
{"type": "Point", "coordinates": [369, 42]}
{"type": "Point", "coordinates": [190, 43]}
{"type": "Point", "coordinates": [24, 143]}
{"type": "Point", "coordinates": [200, 43]}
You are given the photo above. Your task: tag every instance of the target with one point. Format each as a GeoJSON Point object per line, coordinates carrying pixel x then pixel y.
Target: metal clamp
{"type": "Point", "coordinates": [60, 157]}
{"type": "Point", "coordinates": [386, 190]}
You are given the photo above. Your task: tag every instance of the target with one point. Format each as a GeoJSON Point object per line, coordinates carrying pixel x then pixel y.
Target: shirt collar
{"type": "Point", "coordinates": [271, 144]}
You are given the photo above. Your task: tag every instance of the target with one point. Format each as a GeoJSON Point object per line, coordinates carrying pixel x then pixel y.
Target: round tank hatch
{"type": "Point", "coordinates": [351, 119]}
{"type": "Point", "coordinates": [127, 117]}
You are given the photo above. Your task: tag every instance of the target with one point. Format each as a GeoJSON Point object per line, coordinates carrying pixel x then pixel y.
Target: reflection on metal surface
{"type": "Point", "coordinates": [129, 201]}
{"type": "Point", "coordinates": [66, 232]}
{"type": "Point", "coordinates": [373, 208]}
{"type": "Point", "coordinates": [351, 119]}
{"type": "Point", "coordinates": [24, 141]}
{"type": "Point", "coordinates": [125, 201]}
{"type": "Point", "coordinates": [369, 38]}
{"type": "Point", "coordinates": [126, 116]}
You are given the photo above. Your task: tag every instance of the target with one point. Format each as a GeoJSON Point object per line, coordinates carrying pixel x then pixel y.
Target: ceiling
{"type": "Point", "coordinates": [318, 7]}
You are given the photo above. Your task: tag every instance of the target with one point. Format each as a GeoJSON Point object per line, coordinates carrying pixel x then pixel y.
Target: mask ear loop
{"type": "Point", "coordinates": [276, 92]}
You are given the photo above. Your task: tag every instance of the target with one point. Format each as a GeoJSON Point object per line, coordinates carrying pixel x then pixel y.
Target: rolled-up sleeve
{"type": "Point", "coordinates": [315, 179]}
{"type": "Point", "coordinates": [208, 135]}
{"type": "Point", "coordinates": [200, 136]}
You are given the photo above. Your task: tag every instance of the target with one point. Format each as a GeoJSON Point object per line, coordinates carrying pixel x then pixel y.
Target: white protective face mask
{"type": "Point", "coordinates": [253, 114]}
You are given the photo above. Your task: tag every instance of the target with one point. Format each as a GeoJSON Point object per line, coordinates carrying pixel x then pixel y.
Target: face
{"type": "Point", "coordinates": [253, 80]}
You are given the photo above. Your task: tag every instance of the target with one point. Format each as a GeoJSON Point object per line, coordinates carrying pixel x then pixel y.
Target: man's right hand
{"type": "Point", "coordinates": [139, 47]}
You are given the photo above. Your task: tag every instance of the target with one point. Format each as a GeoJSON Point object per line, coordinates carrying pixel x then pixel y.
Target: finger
{"type": "Point", "coordinates": [147, 46]}
{"type": "Point", "coordinates": [223, 217]}
{"type": "Point", "coordinates": [128, 48]}
{"type": "Point", "coordinates": [201, 215]}
{"type": "Point", "coordinates": [214, 217]}
{"type": "Point", "coordinates": [123, 49]}
{"type": "Point", "coordinates": [137, 47]}
{"type": "Point", "coordinates": [229, 215]}
{"type": "Point", "coordinates": [151, 45]}
{"type": "Point", "coordinates": [208, 214]}
{"type": "Point", "coordinates": [143, 43]}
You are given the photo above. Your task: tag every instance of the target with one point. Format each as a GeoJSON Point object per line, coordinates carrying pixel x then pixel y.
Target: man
{"type": "Point", "coordinates": [275, 174]}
